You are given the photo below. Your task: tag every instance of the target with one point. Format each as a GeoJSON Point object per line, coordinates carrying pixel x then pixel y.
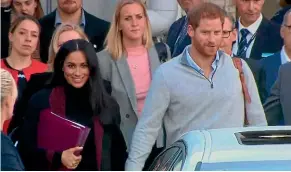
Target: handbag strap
{"type": "Point", "coordinates": [238, 65]}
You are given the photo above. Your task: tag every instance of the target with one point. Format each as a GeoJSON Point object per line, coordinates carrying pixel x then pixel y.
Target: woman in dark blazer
{"type": "Point", "coordinates": [75, 92]}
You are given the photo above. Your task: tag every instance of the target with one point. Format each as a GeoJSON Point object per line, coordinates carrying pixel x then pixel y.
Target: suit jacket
{"type": "Point", "coordinates": [277, 106]}
{"type": "Point", "coordinates": [268, 39]}
{"type": "Point", "coordinates": [271, 65]}
{"type": "Point", "coordinates": [123, 88]}
{"type": "Point", "coordinates": [173, 35]}
{"type": "Point", "coordinates": [259, 75]}
{"type": "Point", "coordinates": [96, 29]}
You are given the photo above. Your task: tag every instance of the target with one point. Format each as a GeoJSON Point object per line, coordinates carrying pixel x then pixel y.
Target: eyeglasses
{"type": "Point", "coordinates": [288, 27]}
{"type": "Point", "coordinates": [226, 33]}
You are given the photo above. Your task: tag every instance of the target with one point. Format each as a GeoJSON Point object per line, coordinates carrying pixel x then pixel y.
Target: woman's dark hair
{"type": "Point", "coordinates": [98, 95]}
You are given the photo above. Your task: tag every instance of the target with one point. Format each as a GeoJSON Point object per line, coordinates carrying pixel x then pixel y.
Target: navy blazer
{"type": "Point", "coordinates": [173, 35]}
{"type": "Point", "coordinates": [96, 29]}
{"type": "Point", "coordinates": [268, 39]}
{"type": "Point", "coordinates": [271, 66]}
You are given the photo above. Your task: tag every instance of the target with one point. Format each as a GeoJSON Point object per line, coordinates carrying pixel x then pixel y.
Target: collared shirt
{"type": "Point", "coordinates": [252, 29]}
{"type": "Point", "coordinates": [194, 65]}
{"type": "Point", "coordinates": [58, 19]}
{"type": "Point", "coordinates": [284, 56]}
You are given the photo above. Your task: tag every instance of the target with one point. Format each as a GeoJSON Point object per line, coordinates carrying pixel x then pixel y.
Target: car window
{"type": "Point", "coordinates": [163, 161]}
{"type": "Point", "coordinates": [170, 159]}
{"type": "Point", "coordinates": [178, 164]}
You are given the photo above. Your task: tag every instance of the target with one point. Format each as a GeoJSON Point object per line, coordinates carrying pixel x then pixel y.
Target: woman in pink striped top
{"type": "Point", "coordinates": [128, 61]}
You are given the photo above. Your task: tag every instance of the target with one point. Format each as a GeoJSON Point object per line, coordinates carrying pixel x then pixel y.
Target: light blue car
{"type": "Point", "coordinates": [231, 149]}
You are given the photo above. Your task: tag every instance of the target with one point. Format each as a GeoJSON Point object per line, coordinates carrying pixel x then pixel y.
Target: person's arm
{"type": "Point", "coordinates": [272, 106]}
{"type": "Point", "coordinates": [254, 111]}
{"type": "Point", "coordinates": [147, 129]}
{"type": "Point", "coordinates": [104, 63]}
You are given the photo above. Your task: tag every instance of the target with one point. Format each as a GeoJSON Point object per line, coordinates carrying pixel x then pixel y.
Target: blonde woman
{"type": "Point", "coordinates": [129, 61]}
{"type": "Point", "coordinates": [10, 159]}
{"type": "Point", "coordinates": [63, 33]}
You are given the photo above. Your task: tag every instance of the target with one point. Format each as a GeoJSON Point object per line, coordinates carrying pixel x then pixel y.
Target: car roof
{"type": "Point", "coordinates": [224, 145]}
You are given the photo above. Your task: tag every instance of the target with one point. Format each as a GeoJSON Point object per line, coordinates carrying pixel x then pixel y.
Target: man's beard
{"type": "Point", "coordinates": [70, 10]}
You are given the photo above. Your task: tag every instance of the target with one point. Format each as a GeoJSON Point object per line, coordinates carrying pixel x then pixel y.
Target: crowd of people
{"type": "Point", "coordinates": [137, 96]}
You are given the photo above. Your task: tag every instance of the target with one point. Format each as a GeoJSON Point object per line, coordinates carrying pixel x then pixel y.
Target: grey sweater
{"type": "Point", "coordinates": [180, 99]}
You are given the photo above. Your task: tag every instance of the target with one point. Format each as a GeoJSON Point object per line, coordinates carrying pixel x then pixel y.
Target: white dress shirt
{"type": "Point", "coordinates": [252, 29]}
{"type": "Point", "coordinates": [284, 56]}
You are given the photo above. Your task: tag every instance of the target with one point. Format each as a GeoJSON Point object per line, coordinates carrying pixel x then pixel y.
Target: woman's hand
{"type": "Point", "coordinates": [69, 159]}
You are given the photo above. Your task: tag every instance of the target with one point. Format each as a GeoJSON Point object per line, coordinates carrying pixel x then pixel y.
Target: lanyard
{"type": "Point", "coordinates": [247, 46]}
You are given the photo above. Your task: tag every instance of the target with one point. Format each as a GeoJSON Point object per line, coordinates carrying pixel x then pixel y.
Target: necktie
{"type": "Point", "coordinates": [181, 36]}
{"type": "Point", "coordinates": [21, 84]}
{"type": "Point", "coordinates": [242, 45]}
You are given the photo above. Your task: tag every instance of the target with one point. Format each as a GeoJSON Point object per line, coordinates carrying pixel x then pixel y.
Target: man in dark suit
{"type": "Point", "coordinates": [271, 64]}
{"type": "Point", "coordinates": [229, 34]}
{"type": "Point", "coordinates": [277, 106]}
{"type": "Point", "coordinates": [257, 37]}
{"type": "Point", "coordinates": [178, 38]}
{"type": "Point", "coordinates": [71, 11]}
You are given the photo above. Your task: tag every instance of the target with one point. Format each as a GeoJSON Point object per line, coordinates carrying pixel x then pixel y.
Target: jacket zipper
{"type": "Point", "coordinates": [211, 82]}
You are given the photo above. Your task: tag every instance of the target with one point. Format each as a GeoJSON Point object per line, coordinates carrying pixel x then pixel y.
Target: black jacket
{"type": "Point", "coordinates": [113, 145]}
{"type": "Point", "coordinates": [37, 82]}
{"type": "Point", "coordinates": [96, 29]}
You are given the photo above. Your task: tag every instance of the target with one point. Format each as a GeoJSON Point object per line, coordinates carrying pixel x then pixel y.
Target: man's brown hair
{"type": "Point", "coordinates": [205, 11]}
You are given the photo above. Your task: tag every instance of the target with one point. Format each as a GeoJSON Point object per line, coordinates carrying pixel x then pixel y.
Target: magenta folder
{"type": "Point", "coordinates": [58, 134]}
